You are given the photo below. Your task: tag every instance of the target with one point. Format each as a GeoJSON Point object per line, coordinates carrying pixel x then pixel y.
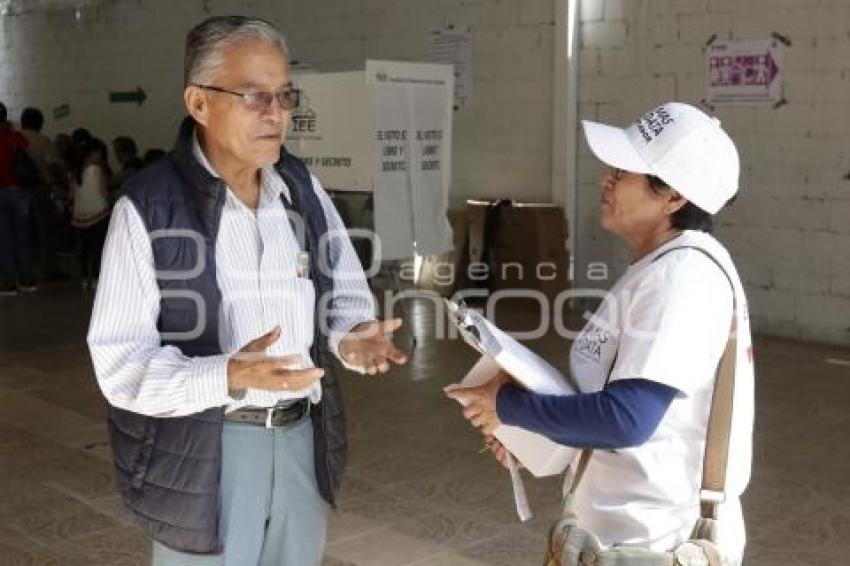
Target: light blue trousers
{"type": "Point", "coordinates": [271, 510]}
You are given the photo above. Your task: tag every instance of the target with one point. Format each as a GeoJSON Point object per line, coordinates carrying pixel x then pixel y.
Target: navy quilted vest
{"type": "Point", "coordinates": [168, 469]}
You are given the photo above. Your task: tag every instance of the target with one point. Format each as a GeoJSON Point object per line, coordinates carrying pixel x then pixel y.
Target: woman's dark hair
{"type": "Point", "coordinates": [32, 119]}
{"type": "Point", "coordinates": [91, 147]}
{"type": "Point", "coordinates": [81, 136]}
{"type": "Point", "coordinates": [690, 216]}
{"type": "Point", "coordinates": [125, 146]}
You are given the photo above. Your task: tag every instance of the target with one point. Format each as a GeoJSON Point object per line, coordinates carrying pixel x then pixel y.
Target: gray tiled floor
{"type": "Point", "coordinates": [418, 492]}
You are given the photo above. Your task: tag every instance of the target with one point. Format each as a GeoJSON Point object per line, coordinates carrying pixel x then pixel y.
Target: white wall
{"type": "Point", "coordinates": [502, 141]}
{"type": "Point", "coordinates": [790, 228]}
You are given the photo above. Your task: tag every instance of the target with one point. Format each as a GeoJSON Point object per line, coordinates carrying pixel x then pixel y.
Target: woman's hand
{"type": "Point", "coordinates": [480, 402]}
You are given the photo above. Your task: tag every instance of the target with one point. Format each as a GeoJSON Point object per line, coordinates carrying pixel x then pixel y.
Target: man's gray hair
{"type": "Point", "coordinates": [206, 42]}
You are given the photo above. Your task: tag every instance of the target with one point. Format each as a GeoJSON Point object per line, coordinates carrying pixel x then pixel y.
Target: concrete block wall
{"type": "Point", "coordinates": [789, 231]}
{"type": "Point", "coordinates": [502, 144]}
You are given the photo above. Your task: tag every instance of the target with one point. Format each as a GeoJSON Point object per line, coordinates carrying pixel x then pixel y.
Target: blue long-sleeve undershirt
{"type": "Point", "coordinates": [623, 415]}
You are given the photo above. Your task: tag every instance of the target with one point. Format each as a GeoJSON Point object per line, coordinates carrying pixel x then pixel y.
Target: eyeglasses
{"type": "Point", "coordinates": [656, 183]}
{"type": "Point", "coordinates": [287, 98]}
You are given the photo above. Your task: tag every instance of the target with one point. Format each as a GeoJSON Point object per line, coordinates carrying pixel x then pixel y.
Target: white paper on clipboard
{"type": "Point", "coordinates": [538, 454]}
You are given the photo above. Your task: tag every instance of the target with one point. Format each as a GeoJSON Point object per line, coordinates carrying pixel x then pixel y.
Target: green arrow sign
{"type": "Point", "coordinates": [61, 112]}
{"type": "Point", "coordinates": [138, 96]}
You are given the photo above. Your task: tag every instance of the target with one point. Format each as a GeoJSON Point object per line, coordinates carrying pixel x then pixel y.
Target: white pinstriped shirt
{"type": "Point", "coordinates": [256, 272]}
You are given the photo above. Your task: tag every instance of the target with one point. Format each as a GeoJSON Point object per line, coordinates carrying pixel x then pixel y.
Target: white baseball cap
{"type": "Point", "coordinates": [680, 144]}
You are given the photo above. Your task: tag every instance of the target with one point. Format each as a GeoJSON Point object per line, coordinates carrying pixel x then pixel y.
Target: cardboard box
{"type": "Point", "coordinates": [527, 244]}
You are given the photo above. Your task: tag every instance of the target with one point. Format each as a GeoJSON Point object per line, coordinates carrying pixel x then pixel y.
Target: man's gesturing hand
{"type": "Point", "coordinates": [252, 368]}
{"type": "Point", "coordinates": [369, 346]}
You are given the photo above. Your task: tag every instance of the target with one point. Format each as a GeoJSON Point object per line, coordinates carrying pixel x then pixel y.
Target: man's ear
{"type": "Point", "coordinates": [675, 202]}
{"type": "Point", "coordinates": [197, 104]}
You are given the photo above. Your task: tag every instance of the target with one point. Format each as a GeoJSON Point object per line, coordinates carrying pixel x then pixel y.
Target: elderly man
{"type": "Point", "coordinates": [227, 279]}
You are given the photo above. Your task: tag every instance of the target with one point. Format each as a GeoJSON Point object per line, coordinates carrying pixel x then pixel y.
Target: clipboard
{"type": "Point", "coordinates": [540, 456]}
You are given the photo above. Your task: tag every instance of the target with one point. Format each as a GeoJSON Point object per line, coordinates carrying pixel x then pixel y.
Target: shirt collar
{"type": "Point", "coordinates": [272, 185]}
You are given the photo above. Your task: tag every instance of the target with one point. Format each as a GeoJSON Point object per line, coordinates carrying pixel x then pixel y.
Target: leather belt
{"type": "Point", "coordinates": [271, 417]}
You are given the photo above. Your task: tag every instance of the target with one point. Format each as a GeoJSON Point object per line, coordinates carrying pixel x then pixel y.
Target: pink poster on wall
{"type": "Point", "coordinates": [744, 71]}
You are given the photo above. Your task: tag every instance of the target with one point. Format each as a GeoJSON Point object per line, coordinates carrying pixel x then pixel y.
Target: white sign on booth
{"type": "Point", "coordinates": [412, 117]}
{"type": "Point", "coordinates": [387, 130]}
{"type": "Point", "coordinates": [330, 129]}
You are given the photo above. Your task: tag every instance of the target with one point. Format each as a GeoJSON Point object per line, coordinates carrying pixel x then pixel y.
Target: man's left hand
{"type": "Point", "coordinates": [369, 346]}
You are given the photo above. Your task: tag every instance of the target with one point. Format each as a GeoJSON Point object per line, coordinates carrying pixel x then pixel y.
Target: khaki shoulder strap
{"type": "Point", "coordinates": [719, 433]}
{"type": "Point", "coordinates": [716, 456]}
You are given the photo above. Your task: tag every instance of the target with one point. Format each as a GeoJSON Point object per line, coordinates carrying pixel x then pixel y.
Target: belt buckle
{"type": "Point", "coordinates": [271, 410]}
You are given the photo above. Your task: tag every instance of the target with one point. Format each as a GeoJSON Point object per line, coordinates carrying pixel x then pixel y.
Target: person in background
{"type": "Point", "coordinates": [103, 159]}
{"type": "Point", "coordinates": [16, 263]}
{"type": "Point", "coordinates": [90, 216]}
{"type": "Point", "coordinates": [40, 147]}
{"type": "Point", "coordinates": [127, 155]}
{"type": "Point", "coordinates": [81, 139]}
{"type": "Point", "coordinates": [44, 213]}
{"type": "Point", "coordinates": [151, 156]}
{"type": "Point", "coordinates": [65, 148]}
{"type": "Point", "coordinates": [61, 193]}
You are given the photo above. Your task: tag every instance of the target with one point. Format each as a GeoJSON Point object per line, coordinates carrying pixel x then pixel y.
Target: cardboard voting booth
{"type": "Point", "coordinates": [385, 130]}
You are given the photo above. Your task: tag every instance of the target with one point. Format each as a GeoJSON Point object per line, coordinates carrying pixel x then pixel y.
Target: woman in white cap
{"type": "Point", "coordinates": [646, 361]}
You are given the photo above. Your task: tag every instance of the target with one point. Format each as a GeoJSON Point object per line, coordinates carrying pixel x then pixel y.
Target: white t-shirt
{"type": "Point", "coordinates": [90, 205]}
{"type": "Point", "coordinates": [667, 321]}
